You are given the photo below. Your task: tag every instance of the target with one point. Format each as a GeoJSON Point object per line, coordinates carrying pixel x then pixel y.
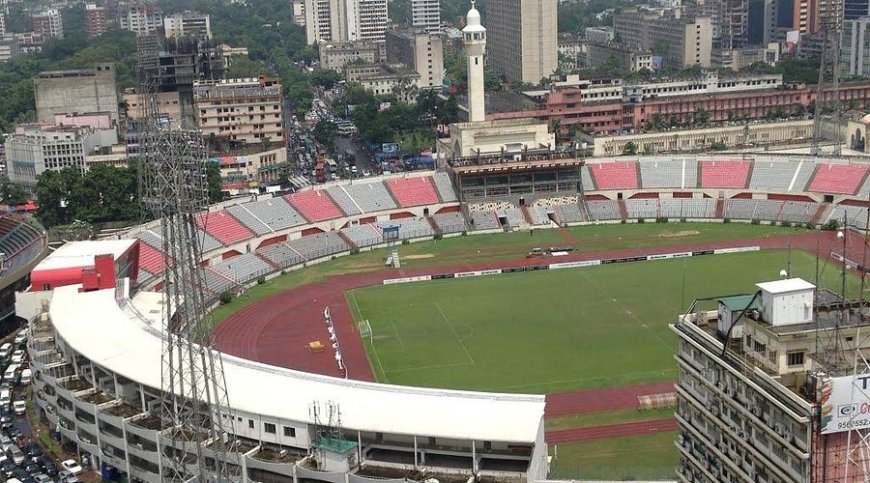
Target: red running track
{"type": "Point", "coordinates": [634, 428]}
{"type": "Point", "coordinates": [277, 329]}
{"type": "Point", "coordinates": [606, 399]}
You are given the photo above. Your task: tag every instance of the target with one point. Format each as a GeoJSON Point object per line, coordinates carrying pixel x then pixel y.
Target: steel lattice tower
{"type": "Point", "coordinates": [195, 414]}
{"type": "Point", "coordinates": [831, 32]}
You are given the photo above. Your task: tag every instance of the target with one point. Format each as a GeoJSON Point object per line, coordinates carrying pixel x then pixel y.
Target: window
{"type": "Point", "coordinates": [795, 358]}
{"type": "Point", "coordinates": [269, 428]}
{"type": "Point", "coordinates": [289, 432]}
{"type": "Point", "coordinates": [250, 424]}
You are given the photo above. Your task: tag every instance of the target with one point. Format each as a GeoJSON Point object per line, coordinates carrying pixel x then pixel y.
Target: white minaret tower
{"type": "Point", "coordinates": [474, 36]}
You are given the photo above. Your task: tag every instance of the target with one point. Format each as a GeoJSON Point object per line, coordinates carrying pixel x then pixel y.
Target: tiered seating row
{"type": "Point", "coordinates": [444, 187]}
{"type": "Point", "coordinates": [773, 175]}
{"type": "Point", "coordinates": [732, 174]}
{"type": "Point", "coordinates": [513, 216]}
{"type": "Point", "coordinates": [662, 174]}
{"type": "Point", "coordinates": [370, 197]}
{"type": "Point", "coordinates": [855, 216]}
{"type": "Point", "coordinates": [538, 215]}
{"type": "Point", "coordinates": [568, 214]}
{"type": "Point", "coordinates": [281, 255]}
{"type": "Point", "coordinates": [16, 235]}
{"type": "Point", "coordinates": [243, 268]}
{"type": "Point", "coordinates": [687, 208]}
{"type": "Point", "coordinates": [267, 216]}
{"type": "Point", "coordinates": [603, 210]}
{"type": "Point", "coordinates": [616, 175]}
{"type": "Point", "coordinates": [363, 235]}
{"type": "Point", "coordinates": [222, 226]}
{"type": "Point", "coordinates": [485, 220]}
{"type": "Point", "coordinates": [771, 210]}
{"type": "Point", "coordinates": [314, 205]}
{"type": "Point", "coordinates": [409, 227]}
{"type": "Point", "coordinates": [838, 178]}
{"type": "Point", "coordinates": [450, 222]}
{"type": "Point", "coordinates": [414, 191]}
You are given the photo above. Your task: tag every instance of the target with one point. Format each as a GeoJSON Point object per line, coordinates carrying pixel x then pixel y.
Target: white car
{"type": "Point", "coordinates": [20, 407]}
{"type": "Point", "coordinates": [21, 337]}
{"type": "Point", "coordinates": [72, 467]}
{"type": "Point", "coordinates": [17, 356]}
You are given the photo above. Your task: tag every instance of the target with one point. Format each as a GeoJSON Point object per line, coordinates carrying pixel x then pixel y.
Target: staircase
{"type": "Point", "coordinates": [435, 228]}
{"type": "Point", "coordinates": [347, 240]}
{"type": "Point", "coordinates": [623, 211]}
{"type": "Point", "coordinates": [584, 208]}
{"type": "Point", "coordinates": [526, 216]}
{"type": "Point", "coordinates": [819, 216]}
{"type": "Point", "coordinates": [720, 208]}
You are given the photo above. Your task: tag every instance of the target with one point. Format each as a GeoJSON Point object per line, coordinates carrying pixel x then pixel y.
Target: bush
{"type": "Point", "coordinates": [261, 280]}
{"type": "Point", "coordinates": [623, 221]}
{"type": "Point", "coordinates": [831, 225]}
{"type": "Point", "coordinates": [756, 221]}
{"type": "Point", "coordinates": [662, 219]}
{"type": "Point", "coordinates": [439, 236]}
{"type": "Point", "coordinates": [464, 233]}
{"type": "Point", "coordinates": [810, 226]}
{"type": "Point", "coordinates": [406, 241]}
{"type": "Point", "coordinates": [225, 297]}
{"type": "Point", "coordinates": [354, 251]}
{"type": "Point", "coordinates": [785, 224]}
{"type": "Point", "coordinates": [641, 220]}
{"type": "Point", "coordinates": [726, 220]}
{"type": "Point", "coordinates": [283, 272]}
{"type": "Point", "coordinates": [683, 219]}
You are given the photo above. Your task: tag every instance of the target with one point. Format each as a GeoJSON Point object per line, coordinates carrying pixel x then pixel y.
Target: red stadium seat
{"type": "Point", "coordinates": [838, 178]}
{"type": "Point", "coordinates": [413, 191]}
{"type": "Point", "coordinates": [616, 175]}
{"type": "Point", "coordinates": [314, 205]}
{"type": "Point", "coordinates": [222, 226]}
{"type": "Point", "coordinates": [725, 174]}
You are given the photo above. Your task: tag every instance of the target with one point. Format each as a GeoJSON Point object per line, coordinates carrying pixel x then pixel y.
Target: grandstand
{"type": "Point", "coordinates": [450, 222]}
{"type": "Point", "coordinates": [615, 175]}
{"type": "Point", "coordinates": [363, 235]}
{"type": "Point", "coordinates": [838, 178]}
{"type": "Point", "coordinates": [415, 191]}
{"type": "Point", "coordinates": [223, 227]}
{"type": "Point", "coordinates": [244, 267]}
{"type": "Point", "coordinates": [267, 216]}
{"type": "Point", "coordinates": [314, 205]}
{"type": "Point", "coordinates": [724, 174]}
{"type": "Point", "coordinates": [23, 243]}
{"type": "Point", "coordinates": [669, 173]}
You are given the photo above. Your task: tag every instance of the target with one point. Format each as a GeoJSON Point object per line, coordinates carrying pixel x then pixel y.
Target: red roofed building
{"type": "Point", "coordinates": [95, 264]}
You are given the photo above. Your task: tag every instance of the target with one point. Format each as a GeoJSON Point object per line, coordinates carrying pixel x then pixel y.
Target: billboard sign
{"type": "Point", "coordinates": [845, 403]}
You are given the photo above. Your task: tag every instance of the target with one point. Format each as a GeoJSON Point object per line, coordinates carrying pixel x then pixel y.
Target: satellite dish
{"type": "Point", "coordinates": [840, 234]}
{"type": "Point", "coordinates": [783, 273]}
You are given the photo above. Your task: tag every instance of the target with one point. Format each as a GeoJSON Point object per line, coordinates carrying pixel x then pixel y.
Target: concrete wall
{"type": "Point", "coordinates": [90, 91]}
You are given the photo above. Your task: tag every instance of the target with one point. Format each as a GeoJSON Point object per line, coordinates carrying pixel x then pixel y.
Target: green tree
{"type": "Point", "coordinates": [326, 78]}
{"type": "Point", "coordinates": [213, 180]}
{"type": "Point", "coordinates": [629, 148]}
{"type": "Point", "coordinates": [324, 133]}
{"type": "Point", "coordinates": [11, 193]}
{"type": "Point", "coordinates": [242, 66]}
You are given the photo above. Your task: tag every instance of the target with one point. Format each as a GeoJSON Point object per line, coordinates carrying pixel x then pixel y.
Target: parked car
{"type": "Point", "coordinates": [18, 356]}
{"type": "Point", "coordinates": [42, 478]}
{"type": "Point", "coordinates": [20, 407]}
{"type": "Point", "coordinates": [16, 454]}
{"type": "Point", "coordinates": [72, 467]}
{"type": "Point", "coordinates": [26, 377]}
{"type": "Point", "coordinates": [21, 338]}
{"type": "Point", "coordinates": [48, 465]}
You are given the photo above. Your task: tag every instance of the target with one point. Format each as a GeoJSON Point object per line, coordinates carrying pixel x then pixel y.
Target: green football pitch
{"type": "Point", "coordinates": [553, 330]}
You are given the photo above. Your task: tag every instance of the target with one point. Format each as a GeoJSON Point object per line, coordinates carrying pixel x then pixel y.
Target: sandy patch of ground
{"type": "Point", "coordinates": [677, 234]}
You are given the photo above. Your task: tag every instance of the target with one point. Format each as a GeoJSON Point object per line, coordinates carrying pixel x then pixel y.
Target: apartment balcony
{"type": "Point", "coordinates": [41, 345]}
{"type": "Point", "coordinates": [52, 372]}
{"type": "Point", "coordinates": [111, 435]}
{"type": "Point", "coordinates": [115, 414]}
{"type": "Point", "coordinates": [87, 440]}
{"type": "Point", "coordinates": [147, 476]}
{"type": "Point", "coordinates": [275, 460]}
{"type": "Point", "coordinates": [87, 399]}
{"type": "Point", "coordinates": [141, 448]}
{"type": "Point", "coordinates": [42, 360]}
{"type": "Point", "coordinates": [65, 408]}
{"type": "Point", "coordinates": [234, 450]}
{"type": "Point", "coordinates": [113, 455]}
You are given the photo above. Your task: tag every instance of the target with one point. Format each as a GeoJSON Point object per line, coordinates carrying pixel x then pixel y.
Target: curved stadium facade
{"type": "Point", "coordinates": [100, 386]}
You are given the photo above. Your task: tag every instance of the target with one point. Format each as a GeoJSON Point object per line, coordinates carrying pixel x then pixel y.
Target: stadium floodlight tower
{"type": "Point", "coordinates": [194, 408]}
{"type": "Point", "coordinates": [831, 31]}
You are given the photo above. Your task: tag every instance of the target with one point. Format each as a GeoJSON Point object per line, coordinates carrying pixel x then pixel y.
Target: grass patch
{"type": "Point", "coordinates": [608, 417]}
{"type": "Point", "coordinates": [645, 457]}
{"type": "Point", "coordinates": [552, 330]}
{"type": "Point", "coordinates": [503, 246]}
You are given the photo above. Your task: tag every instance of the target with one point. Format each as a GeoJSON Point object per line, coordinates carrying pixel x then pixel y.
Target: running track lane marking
{"type": "Point", "coordinates": [462, 344]}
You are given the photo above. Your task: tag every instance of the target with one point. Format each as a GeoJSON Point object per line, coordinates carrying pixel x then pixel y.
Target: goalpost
{"type": "Point", "coordinates": [365, 330]}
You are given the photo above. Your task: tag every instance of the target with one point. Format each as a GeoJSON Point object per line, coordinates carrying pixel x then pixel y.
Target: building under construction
{"type": "Point", "coordinates": [770, 387]}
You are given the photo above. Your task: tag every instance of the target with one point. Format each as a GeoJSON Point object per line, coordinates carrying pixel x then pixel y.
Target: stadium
{"type": "Point", "coordinates": [401, 364]}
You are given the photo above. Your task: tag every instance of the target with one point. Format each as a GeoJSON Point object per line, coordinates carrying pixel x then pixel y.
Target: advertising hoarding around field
{"type": "Point", "coordinates": [845, 403]}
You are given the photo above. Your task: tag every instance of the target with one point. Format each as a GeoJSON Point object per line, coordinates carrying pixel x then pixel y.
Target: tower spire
{"type": "Point", "coordinates": [474, 37]}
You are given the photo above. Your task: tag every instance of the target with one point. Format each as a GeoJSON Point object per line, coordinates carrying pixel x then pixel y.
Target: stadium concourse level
{"type": "Point", "coordinates": [248, 240]}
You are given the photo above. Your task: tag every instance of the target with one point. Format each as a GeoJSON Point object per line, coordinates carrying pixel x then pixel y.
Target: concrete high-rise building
{"type": "Point", "coordinates": [422, 52]}
{"type": "Point", "coordinates": [187, 24]}
{"type": "Point", "coordinates": [855, 53]}
{"type": "Point", "coordinates": [474, 37]}
{"type": "Point", "coordinates": [426, 14]}
{"type": "Point", "coordinates": [523, 42]}
{"type": "Point", "coordinates": [855, 9]}
{"type": "Point", "coordinates": [77, 91]}
{"type": "Point", "coordinates": [141, 19]}
{"type": "Point", "coordinates": [770, 387]}
{"type": "Point", "coordinates": [680, 41]}
{"type": "Point", "coordinates": [48, 23]}
{"type": "Point", "coordinates": [2, 24]}
{"type": "Point", "coordinates": [95, 20]}
{"type": "Point", "coordinates": [299, 12]}
{"type": "Point", "coordinates": [342, 21]}
{"type": "Point", "coordinates": [239, 111]}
